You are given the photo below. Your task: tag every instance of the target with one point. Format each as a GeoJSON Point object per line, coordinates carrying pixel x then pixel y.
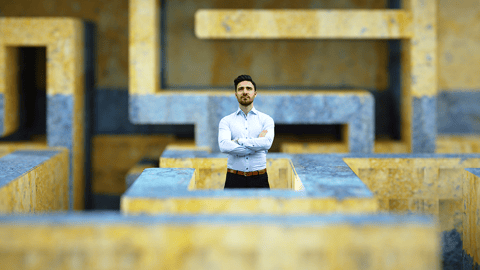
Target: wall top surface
{"type": "Point", "coordinates": [20, 162]}
{"type": "Point", "coordinates": [113, 218]}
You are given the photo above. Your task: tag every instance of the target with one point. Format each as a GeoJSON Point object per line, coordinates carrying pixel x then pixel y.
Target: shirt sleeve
{"type": "Point", "coordinates": [226, 144]}
{"type": "Point", "coordinates": [263, 143]}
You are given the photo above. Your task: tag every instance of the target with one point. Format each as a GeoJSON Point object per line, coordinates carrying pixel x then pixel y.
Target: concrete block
{"type": "Point", "coordinates": [302, 24]}
{"type": "Point", "coordinates": [458, 112]}
{"type": "Point", "coordinates": [113, 241]}
{"type": "Point", "coordinates": [136, 170]}
{"type": "Point", "coordinates": [310, 188]}
{"type": "Point", "coordinates": [64, 42]}
{"type": "Point", "coordinates": [429, 184]}
{"type": "Point", "coordinates": [353, 108]}
{"type": "Point", "coordinates": [33, 181]}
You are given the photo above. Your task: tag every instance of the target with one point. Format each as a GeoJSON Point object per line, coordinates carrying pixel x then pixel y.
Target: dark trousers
{"type": "Point", "coordinates": [240, 181]}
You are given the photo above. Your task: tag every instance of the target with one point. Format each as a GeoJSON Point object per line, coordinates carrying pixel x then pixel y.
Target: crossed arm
{"type": "Point", "coordinates": [243, 147]}
{"type": "Point", "coordinates": [264, 140]}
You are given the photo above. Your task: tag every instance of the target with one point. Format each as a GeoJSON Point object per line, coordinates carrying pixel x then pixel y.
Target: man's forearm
{"type": "Point", "coordinates": [230, 147]}
{"type": "Point", "coordinates": [256, 144]}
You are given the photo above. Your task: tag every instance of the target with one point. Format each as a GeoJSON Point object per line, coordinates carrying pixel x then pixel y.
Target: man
{"type": "Point", "coordinates": [246, 135]}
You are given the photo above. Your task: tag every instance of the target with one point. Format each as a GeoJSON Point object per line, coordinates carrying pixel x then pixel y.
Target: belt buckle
{"type": "Point", "coordinates": [245, 174]}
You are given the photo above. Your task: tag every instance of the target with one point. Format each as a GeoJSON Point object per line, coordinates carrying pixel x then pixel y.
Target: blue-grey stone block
{"type": "Point", "coordinates": [130, 179]}
{"type": "Point", "coordinates": [21, 162]}
{"type": "Point", "coordinates": [206, 111]}
{"type": "Point", "coordinates": [173, 109]}
{"type": "Point", "coordinates": [452, 250]}
{"type": "Point", "coordinates": [475, 171]}
{"type": "Point", "coordinates": [322, 176]}
{"type": "Point", "coordinates": [102, 218]}
{"type": "Point", "coordinates": [60, 117]}
{"type": "Point", "coordinates": [459, 112]}
{"type": "Point", "coordinates": [424, 130]}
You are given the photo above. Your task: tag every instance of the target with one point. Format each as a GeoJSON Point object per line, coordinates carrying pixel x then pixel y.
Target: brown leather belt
{"type": "Point", "coordinates": [247, 173]}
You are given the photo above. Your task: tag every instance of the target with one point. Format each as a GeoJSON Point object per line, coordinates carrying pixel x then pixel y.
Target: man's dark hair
{"type": "Point", "coordinates": [242, 78]}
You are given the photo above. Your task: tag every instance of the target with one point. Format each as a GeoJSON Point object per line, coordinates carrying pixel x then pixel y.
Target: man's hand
{"type": "Point", "coordinates": [263, 133]}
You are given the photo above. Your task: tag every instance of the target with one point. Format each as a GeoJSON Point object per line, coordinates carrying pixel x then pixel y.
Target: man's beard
{"type": "Point", "coordinates": [245, 102]}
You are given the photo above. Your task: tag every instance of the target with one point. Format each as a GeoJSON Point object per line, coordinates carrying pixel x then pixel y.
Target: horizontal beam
{"type": "Point", "coordinates": [302, 24]}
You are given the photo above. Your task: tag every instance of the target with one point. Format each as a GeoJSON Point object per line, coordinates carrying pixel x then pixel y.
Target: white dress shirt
{"type": "Point", "coordinates": [250, 154]}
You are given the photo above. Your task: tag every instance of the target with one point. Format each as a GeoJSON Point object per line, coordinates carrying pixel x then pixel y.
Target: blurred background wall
{"type": "Point", "coordinates": [191, 63]}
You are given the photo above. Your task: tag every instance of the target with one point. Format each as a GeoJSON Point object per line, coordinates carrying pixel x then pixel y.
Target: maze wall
{"type": "Point", "coordinates": [328, 211]}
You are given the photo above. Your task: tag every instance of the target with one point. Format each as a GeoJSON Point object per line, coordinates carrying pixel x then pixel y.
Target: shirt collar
{"type": "Point", "coordinates": [252, 110]}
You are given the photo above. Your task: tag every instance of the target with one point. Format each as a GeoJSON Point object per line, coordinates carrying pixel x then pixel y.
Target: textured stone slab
{"type": "Point", "coordinates": [205, 110]}
{"type": "Point", "coordinates": [136, 170]}
{"type": "Point", "coordinates": [64, 41]}
{"type": "Point", "coordinates": [458, 112]}
{"type": "Point", "coordinates": [329, 187]}
{"type": "Point", "coordinates": [302, 24]}
{"type": "Point", "coordinates": [111, 240]}
{"type": "Point", "coordinates": [34, 181]}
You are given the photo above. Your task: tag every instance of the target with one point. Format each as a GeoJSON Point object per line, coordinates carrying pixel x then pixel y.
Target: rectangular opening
{"type": "Point", "coordinates": [32, 86]}
{"type": "Point", "coordinates": [305, 138]}
{"type": "Point", "coordinates": [210, 173]}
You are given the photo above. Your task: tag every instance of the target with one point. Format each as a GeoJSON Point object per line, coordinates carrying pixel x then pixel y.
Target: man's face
{"type": "Point", "coordinates": [245, 93]}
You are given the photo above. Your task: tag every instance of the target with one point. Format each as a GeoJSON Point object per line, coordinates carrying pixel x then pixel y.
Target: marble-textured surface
{"type": "Point", "coordinates": [64, 41]}
{"type": "Point", "coordinates": [458, 112]}
{"type": "Point", "coordinates": [302, 24]}
{"type": "Point", "coordinates": [205, 110]}
{"type": "Point", "coordinates": [111, 240]}
{"type": "Point", "coordinates": [458, 46]}
{"type": "Point", "coordinates": [424, 124]}
{"type": "Point", "coordinates": [34, 181]}
{"type": "Point", "coordinates": [137, 170]}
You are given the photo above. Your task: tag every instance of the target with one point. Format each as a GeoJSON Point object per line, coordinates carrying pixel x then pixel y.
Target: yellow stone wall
{"type": "Point", "coordinates": [44, 188]}
{"type": "Point", "coordinates": [113, 156]}
{"type": "Point", "coordinates": [210, 174]}
{"type": "Point", "coordinates": [218, 246]}
{"type": "Point", "coordinates": [458, 44]}
{"type": "Point", "coordinates": [471, 216]}
{"type": "Point", "coordinates": [445, 144]}
{"type": "Point", "coordinates": [419, 185]}
{"type": "Point", "coordinates": [361, 63]}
